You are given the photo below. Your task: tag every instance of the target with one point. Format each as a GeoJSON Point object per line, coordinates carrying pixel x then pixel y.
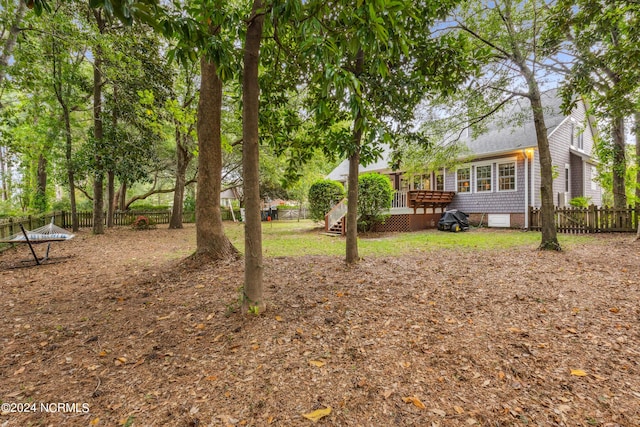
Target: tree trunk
{"type": "Point", "coordinates": [253, 300]}
{"type": "Point", "coordinates": [354, 165]}
{"type": "Point", "coordinates": [210, 238]}
{"type": "Point", "coordinates": [70, 171]}
{"type": "Point", "coordinates": [4, 172]}
{"type": "Point", "coordinates": [41, 188]}
{"type": "Point", "coordinates": [111, 197]}
{"type": "Point", "coordinates": [637, 132]}
{"type": "Point", "coordinates": [122, 202]}
{"type": "Point", "coordinates": [547, 210]}
{"type": "Point", "coordinates": [98, 178]}
{"type": "Point", "coordinates": [10, 42]}
{"type": "Point", "coordinates": [619, 163]}
{"type": "Point", "coordinates": [181, 173]}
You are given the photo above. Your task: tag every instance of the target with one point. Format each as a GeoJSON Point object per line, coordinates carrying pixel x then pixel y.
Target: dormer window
{"type": "Point", "coordinates": [577, 135]}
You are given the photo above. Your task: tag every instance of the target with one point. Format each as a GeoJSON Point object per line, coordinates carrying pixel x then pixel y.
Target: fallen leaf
{"type": "Point", "coordinates": [317, 414]}
{"type": "Point", "coordinates": [94, 422]}
{"type": "Point", "coordinates": [167, 316]}
{"type": "Point", "coordinates": [458, 409]}
{"type": "Point", "coordinates": [614, 310]}
{"type": "Point", "coordinates": [211, 378]}
{"type": "Point", "coordinates": [317, 363]}
{"type": "Point", "coordinates": [578, 373]}
{"type": "Point", "coordinates": [515, 330]}
{"type": "Point", "coordinates": [255, 346]}
{"type": "Point", "coordinates": [103, 353]}
{"type": "Point", "coordinates": [339, 294]}
{"type": "Point", "coordinates": [19, 371]}
{"type": "Point", "coordinates": [501, 375]}
{"type": "Point", "coordinates": [200, 326]}
{"type": "Point", "coordinates": [415, 401]}
{"type": "Point", "coordinates": [279, 319]}
{"type": "Point", "coordinates": [439, 412]}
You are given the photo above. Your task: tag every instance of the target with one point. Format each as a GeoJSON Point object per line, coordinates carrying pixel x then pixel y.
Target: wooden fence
{"type": "Point", "coordinates": [593, 219]}
{"type": "Point", "coordinates": [11, 226]}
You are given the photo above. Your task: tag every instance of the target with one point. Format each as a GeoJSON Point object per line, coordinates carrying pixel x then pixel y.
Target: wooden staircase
{"type": "Point", "coordinates": [335, 220]}
{"type": "Point", "coordinates": [337, 229]}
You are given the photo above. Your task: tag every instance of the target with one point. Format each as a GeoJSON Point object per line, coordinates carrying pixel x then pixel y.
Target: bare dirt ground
{"type": "Point", "coordinates": [122, 335]}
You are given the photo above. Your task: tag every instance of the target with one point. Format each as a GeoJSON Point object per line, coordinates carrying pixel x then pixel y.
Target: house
{"type": "Point", "coordinates": [501, 180]}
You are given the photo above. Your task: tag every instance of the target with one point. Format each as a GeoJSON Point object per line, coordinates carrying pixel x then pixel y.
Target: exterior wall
{"type": "Point", "coordinates": [480, 219]}
{"type": "Point", "coordinates": [560, 144]}
{"type": "Point", "coordinates": [493, 201]}
{"type": "Point", "coordinates": [577, 176]}
{"type": "Point", "coordinates": [595, 194]}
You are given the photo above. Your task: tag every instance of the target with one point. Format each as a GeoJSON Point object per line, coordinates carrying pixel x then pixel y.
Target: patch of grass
{"type": "Point", "coordinates": [293, 238]}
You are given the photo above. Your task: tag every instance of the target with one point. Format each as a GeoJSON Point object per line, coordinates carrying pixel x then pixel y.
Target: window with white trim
{"type": "Point", "coordinates": [577, 136]}
{"type": "Point", "coordinates": [439, 178]}
{"type": "Point", "coordinates": [507, 176]}
{"type": "Point", "coordinates": [463, 180]}
{"type": "Point", "coordinates": [483, 178]}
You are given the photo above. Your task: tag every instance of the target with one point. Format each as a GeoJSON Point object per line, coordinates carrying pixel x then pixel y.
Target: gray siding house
{"type": "Point", "coordinates": [502, 178]}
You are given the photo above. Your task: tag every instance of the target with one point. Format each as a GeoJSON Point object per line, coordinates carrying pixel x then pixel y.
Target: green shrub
{"type": "Point", "coordinates": [142, 206]}
{"type": "Point", "coordinates": [580, 202]}
{"type": "Point", "coordinates": [323, 195]}
{"type": "Point", "coordinates": [189, 204]}
{"type": "Point", "coordinates": [288, 207]}
{"type": "Point", "coordinates": [375, 194]}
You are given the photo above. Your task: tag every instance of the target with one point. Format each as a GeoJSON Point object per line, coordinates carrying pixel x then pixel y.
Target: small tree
{"type": "Point", "coordinates": [323, 195]}
{"type": "Point", "coordinates": [376, 195]}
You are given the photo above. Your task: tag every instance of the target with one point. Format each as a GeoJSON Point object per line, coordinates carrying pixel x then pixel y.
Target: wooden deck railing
{"type": "Point", "coordinates": [593, 219]}
{"type": "Point", "coordinates": [429, 199]}
{"type": "Point", "coordinates": [335, 214]}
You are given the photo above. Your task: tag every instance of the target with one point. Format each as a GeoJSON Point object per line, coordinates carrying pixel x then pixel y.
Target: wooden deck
{"type": "Point", "coordinates": [429, 199]}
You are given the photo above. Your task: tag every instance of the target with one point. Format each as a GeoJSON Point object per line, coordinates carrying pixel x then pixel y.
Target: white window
{"type": "Point", "coordinates": [463, 180]}
{"type": "Point", "coordinates": [507, 176]}
{"type": "Point", "coordinates": [439, 178]}
{"type": "Point", "coordinates": [483, 178]}
{"type": "Point", "coordinates": [577, 136]}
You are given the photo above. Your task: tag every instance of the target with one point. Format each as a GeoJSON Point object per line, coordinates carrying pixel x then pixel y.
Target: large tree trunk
{"type": "Point", "coordinates": [547, 211]}
{"type": "Point", "coordinates": [354, 165]}
{"type": "Point", "coordinates": [10, 42]}
{"type": "Point", "coordinates": [253, 299]}
{"type": "Point", "coordinates": [98, 176]}
{"type": "Point", "coordinates": [637, 132]}
{"type": "Point", "coordinates": [619, 163]}
{"type": "Point", "coordinates": [210, 238]}
{"type": "Point", "coordinates": [182, 161]}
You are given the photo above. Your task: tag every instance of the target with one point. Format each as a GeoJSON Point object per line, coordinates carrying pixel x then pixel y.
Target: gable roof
{"type": "Point", "coordinates": [341, 172]}
{"type": "Point", "coordinates": [502, 136]}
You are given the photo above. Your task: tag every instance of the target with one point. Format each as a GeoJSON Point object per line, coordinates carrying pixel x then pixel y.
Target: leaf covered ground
{"type": "Point", "coordinates": [124, 332]}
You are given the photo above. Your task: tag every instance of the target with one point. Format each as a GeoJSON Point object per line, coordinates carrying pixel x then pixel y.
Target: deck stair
{"type": "Point", "coordinates": [335, 220]}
